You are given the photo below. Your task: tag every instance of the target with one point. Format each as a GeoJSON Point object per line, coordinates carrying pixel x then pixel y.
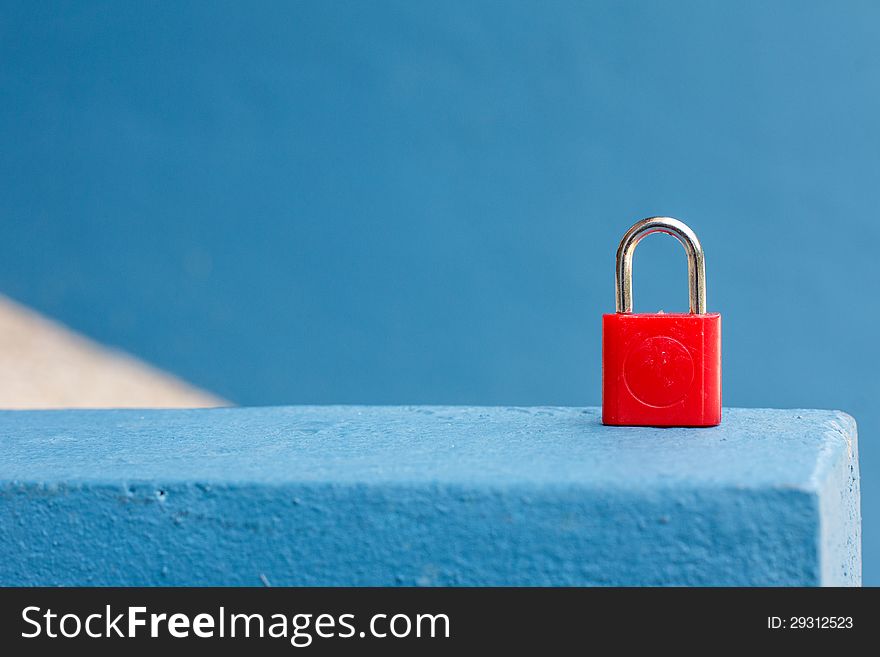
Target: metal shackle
{"type": "Point", "coordinates": [688, 239]}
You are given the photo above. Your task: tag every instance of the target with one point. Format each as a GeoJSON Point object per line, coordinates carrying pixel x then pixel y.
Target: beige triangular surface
{"type": "Point", "coordinates": [46, 365]}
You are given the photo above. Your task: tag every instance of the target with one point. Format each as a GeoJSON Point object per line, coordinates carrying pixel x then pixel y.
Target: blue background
{"type": "Point", "coordinates": [420, 202]}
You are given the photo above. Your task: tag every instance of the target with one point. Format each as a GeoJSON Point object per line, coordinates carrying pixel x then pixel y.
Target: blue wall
{"type": "Point", "coordinates": [420, 202]}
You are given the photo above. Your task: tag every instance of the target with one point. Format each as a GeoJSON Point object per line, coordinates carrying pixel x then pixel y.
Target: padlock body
{"type": "Point", "coordinates": [661, 369]}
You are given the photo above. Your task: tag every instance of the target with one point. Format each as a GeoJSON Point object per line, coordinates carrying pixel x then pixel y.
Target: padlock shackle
{"type": "Point", "coordinates": [688, 239]}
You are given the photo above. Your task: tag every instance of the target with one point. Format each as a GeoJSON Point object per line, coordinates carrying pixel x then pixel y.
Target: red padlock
{"type": "Point", "coordinates": [661, 369]}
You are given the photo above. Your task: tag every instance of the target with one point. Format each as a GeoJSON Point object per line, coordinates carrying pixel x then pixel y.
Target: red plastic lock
{"type": "Point", "coordinates": [661, 369]}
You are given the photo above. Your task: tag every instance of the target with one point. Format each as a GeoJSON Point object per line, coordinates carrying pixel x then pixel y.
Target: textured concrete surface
{"type": "Point", "coordinates": [425, 496]}
{"type": "Point", "coordinates": [46, 365]}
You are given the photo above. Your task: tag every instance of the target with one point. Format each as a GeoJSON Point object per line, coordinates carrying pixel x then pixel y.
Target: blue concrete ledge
{"type": "Point", "coordinates": [425, 496]}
